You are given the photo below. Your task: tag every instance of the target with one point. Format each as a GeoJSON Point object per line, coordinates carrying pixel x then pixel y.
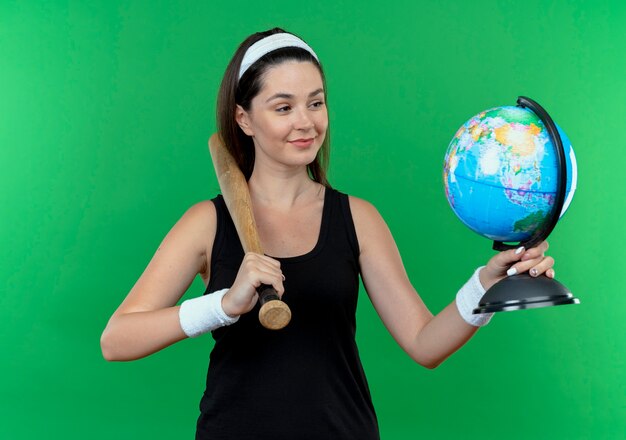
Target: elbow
{"type": "Point", "coordinates": [430, 365]}
{"type": "Point", "coordinates": [115, 348]}
{"type": "Point", "coordinates": [429, 362]}
{"type": "Point", "coordinates": [107, 346]}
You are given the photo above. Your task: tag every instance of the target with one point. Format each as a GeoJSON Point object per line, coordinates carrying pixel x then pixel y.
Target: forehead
{"type": "Point", "coordinates": [291, 76]}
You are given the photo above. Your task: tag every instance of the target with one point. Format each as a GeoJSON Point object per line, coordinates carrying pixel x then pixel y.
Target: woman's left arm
{"type": "Point", "coordinates": [428, 339]}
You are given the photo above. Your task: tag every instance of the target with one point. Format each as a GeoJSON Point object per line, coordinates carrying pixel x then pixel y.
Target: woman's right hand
{"type": "Point", "coordinates": [255, 269]}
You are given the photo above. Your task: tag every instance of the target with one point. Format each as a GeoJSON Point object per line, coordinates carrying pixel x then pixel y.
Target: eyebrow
{"type": "Point", "coordinates": [290, 96]}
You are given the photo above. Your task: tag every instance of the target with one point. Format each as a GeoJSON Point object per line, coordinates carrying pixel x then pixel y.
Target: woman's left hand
{"type": "Point", "coordinates": [516, 261]}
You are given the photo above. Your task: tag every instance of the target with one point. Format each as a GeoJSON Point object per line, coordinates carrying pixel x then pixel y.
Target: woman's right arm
{"type": "Point", "coordinates": [147, 320]}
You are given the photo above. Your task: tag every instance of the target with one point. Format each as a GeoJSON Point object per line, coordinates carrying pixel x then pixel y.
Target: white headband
{"type": "Point", "coordinates": [267, 45]}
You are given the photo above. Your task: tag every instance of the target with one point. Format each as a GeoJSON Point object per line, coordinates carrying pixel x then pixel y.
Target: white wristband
{"type": "Point", "coordinates": [204, 314]}
{"type": "Point", "coordinates": [467, 300]}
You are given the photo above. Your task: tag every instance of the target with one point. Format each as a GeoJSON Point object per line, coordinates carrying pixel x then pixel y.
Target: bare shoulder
{"type": "Point", "coordinates": [205, 209]}
{"type": "Point", "coordinates": [201, 215]}
{"type": "Point", "coordinates": [198, 224]}
{"type": "Point", "coordinates": [191, 239]}
{"type": "Point", "coordinates": [363, 212]}
{"type": "Point", "coordinates": [361, 207]}
{"type": "Point", "coordinates": [199, 221]}
{"type": "Point", "coordinates": [182, 254]}
{"type": "Point", "coordinates": [368, 222]}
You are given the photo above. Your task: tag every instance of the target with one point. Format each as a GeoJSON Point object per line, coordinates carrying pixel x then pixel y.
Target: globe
{"type": "Point", "coordinates": [501, 173]}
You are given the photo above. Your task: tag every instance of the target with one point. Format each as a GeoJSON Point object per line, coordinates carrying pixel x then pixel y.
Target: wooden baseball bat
{"type": "Point", "coordinates": [274, 313]}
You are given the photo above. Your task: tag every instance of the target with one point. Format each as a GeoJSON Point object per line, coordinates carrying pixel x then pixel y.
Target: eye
{"type": "Point", "coordinates": [283, 109]}
{"type": "Point", "coordinates": [317, 104]}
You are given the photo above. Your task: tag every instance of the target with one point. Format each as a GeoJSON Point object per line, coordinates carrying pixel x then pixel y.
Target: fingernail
{"type": "Point", "coordinates": [283, 277]}
{"type": "Point", "coordinates": [519, 250]}
{"type": "Point", "coordinates": [533, 272]}
{"type": "Point", "coordinates": [512, 271]}
{"type": "Point", "coordinates": [550, 273]}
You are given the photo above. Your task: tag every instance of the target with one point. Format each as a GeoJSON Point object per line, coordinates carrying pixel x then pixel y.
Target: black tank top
{"type": "Point", "coordinates": [306, 380]}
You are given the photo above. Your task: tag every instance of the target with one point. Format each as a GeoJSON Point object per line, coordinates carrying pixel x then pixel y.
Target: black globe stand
{"type": "Point", "coordinates": [518, 292]}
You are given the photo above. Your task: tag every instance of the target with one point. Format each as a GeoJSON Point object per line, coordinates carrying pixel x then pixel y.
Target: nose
{"type": "Point", "coordinates": [302, 120]}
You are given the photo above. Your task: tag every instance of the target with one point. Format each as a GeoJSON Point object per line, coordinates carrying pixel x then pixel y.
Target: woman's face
{"type": "Point", "coordinates": [288, 118]}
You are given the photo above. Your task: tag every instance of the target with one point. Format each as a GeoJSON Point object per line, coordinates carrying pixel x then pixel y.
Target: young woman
{"type": "Point", "coordinates": [305, 381]}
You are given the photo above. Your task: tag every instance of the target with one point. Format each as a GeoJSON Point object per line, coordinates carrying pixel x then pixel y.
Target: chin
{"type": "Point", "coordinates": [301, 163]}
{"type": "Point", "coordinates": [309, 158]}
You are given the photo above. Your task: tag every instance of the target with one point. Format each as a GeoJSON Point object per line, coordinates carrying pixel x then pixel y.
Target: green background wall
{"type": "Point", "coordinates": [105, 110]}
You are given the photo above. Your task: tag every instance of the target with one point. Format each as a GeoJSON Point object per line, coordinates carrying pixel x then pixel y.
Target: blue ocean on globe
{"type": "Point", "coordinates": [500, 173]}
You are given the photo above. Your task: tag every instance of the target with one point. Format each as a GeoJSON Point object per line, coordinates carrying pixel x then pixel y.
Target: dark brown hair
{"type": "Point", "coordinates": [235, 92]}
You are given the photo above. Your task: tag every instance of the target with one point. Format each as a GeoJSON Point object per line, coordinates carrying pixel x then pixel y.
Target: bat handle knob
{"type": "Point", "coordinates": [274, 313]}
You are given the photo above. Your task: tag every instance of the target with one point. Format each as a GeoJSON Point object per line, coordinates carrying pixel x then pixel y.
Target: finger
{"type": "Point", "coordinates": [542, 267]}
{"type": "Point", "coordinates": [535, 252]}
{"type": "Point", "coordinates": [269, 260]}
{"type": "Point", "coordinates": [253, 256]}
{"type": "Point", "coordinates": [504, 259]}
{"type": "Point", "coordinates": [270, 277]}
{"type": "Point", "coordinates": [271, 268]}
{"type": "Point", "coordinates": [268, 264]}
{"type": "Point", "coordinates": [271, 264]}
{"type": "Point", "coordinates": [264, 270]}
{"type": "Point", "coordinates": [534, 267]}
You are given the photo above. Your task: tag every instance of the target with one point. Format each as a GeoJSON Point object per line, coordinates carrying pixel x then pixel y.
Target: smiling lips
{"type": "Point", "coordinates": [302, 143]}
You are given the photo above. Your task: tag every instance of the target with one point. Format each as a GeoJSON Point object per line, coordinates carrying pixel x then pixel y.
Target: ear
{"type": "Point", "coordinates": [243, 120]}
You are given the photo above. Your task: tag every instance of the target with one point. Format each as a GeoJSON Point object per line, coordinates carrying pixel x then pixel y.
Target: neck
{"type": "Point", "coordinates": [282, 189]}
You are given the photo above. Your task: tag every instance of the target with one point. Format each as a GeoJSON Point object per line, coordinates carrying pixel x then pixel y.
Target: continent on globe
{"type": "Point", "coordinates": [530, 223]}
{"type": "Point", "coordinates": [500, 173]}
